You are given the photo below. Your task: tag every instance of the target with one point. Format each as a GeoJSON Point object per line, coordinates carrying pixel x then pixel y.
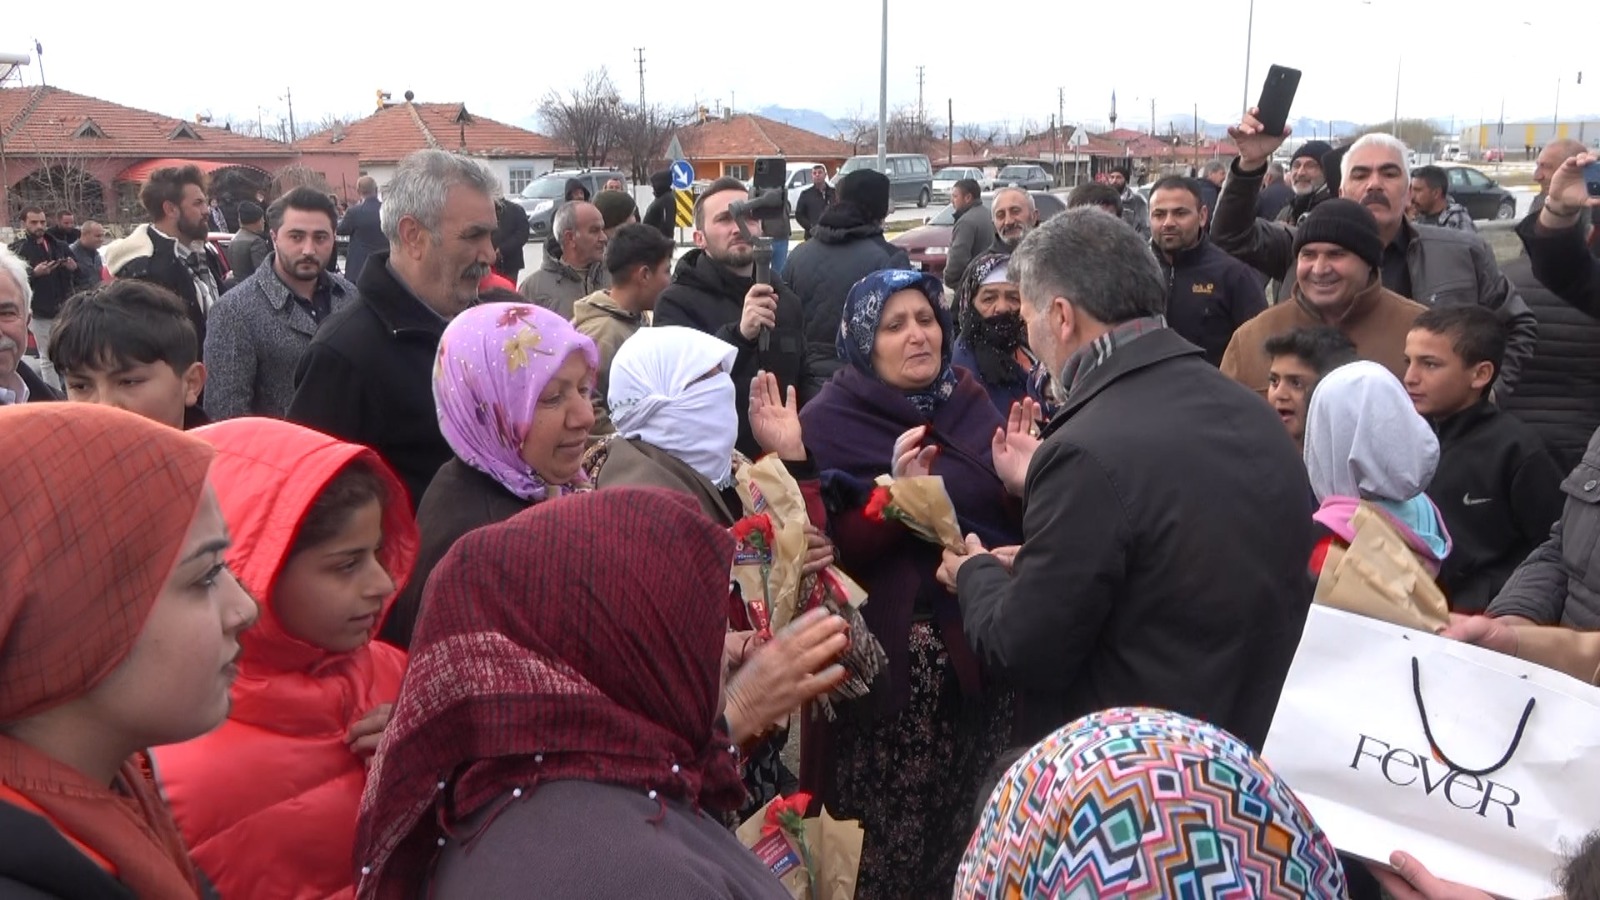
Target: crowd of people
{"type": "Point", "coordinates": [416, 582]}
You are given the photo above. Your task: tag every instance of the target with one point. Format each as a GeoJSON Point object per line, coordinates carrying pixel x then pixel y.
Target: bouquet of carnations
{"type": "Point", "coordinates": [816, 858]}
{"type": "Point", "coordinates": [922, 505]}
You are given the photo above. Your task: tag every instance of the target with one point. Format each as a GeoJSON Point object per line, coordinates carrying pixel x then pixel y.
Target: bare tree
{"type": "Point", "coordinates": [858, 131]}
{"type": "Point", "coordinates": [1417, 133]}
{"type": "Point", "coordinates": [586, 118]}
{"type": "Point", "coordinates": [908, 134]}
{"type": "Point", "coordinates": [61, 181]}
{"type": "Point", "coordinates": [642, 136]}
{"type": "Point", "coordinates": [331, 121]}
{"type": "Point", "coordinates": [973, 139]}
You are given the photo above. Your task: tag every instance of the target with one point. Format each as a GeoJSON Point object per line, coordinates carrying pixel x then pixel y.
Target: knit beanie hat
{"type": "Point", "coordinates": [1313, 149]}
{"type": "Point", "coordinates": [867, 191]}
{"type": "Point", "coordinates": [1345, 223]}
{"type": "Point", "coordinates": [615, 207]}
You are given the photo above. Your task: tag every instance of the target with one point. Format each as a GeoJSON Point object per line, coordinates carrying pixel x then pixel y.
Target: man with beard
{"type": "Point", "coordinates": [65, 229]}
{"type": "Point", "coordinates": [1134, 209]}
{"type": "Point", "coordinates": [1431, 265]}
{"type": "Point", "coordinates": [172, 250]}
{"type": "Point", "coordinates": [1014, 217]}
{"type": "Point", "coordinates": [714, 290]}
{"type": "Point", "coordinates": [367, 376]}
{"type": "Point", "coordinates": [86, 250]}
{"type": "Point", "coordinates": [1168, 518]}
{"type": "Point", "coordinates": [993, 344]}
{"type": "Point", "coordinates": [1431, 203]}
{"type": "Point", "coordinates": [259, 330]}
{"type": "Point", "coordinates": [1209, 293]}
{"type": "Point", "coordinates": [51, 270]}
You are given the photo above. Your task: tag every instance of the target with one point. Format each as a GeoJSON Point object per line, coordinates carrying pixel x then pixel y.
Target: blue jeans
{"type": "Point", "coordinates": [780, 254]}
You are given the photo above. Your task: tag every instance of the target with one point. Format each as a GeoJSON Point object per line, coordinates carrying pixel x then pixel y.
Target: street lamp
{"type": "Point", "coordinates": [883, 95]}
{"type": "Point", "coordinates": [1249, 36]}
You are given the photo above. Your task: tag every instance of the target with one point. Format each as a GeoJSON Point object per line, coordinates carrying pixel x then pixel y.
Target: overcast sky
{"type": "Point", "coordinates": [997, 62]}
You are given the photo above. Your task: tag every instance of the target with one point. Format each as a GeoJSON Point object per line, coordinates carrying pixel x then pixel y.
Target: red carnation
{"type": "Point", "coordinates": [878, 504]}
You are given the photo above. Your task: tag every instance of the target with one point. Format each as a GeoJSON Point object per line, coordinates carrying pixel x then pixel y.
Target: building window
{"type": "Point", "coordinates": [521, 178]}
{"type": "Point", "coordinates": [739, 171]}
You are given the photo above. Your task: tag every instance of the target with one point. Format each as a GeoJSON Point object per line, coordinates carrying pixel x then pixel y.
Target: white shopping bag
{"type": "Point", "coordinates": [1481, 765]}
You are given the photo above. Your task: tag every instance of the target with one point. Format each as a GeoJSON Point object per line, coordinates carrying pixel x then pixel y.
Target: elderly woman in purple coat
{"type": "Point", "coordinates": [907, 760]}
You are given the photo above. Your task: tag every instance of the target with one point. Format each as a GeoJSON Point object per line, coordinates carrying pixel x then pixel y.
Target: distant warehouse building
{"type": "Point", "coordinates": [1519, 139]}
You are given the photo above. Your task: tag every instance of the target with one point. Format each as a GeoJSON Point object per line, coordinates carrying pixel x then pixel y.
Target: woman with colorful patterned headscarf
{"type": "Point", "coordinates": [993, 342]}
{"type": "Point", "coordinates": [511, 383]}
{"type": "Point", "coordinates": [907, 760]}
{"type": "Point", "coordinates": [1146, 803]}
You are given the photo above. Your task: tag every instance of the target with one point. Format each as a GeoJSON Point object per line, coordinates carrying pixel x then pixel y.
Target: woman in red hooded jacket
{"type": "Point", "coordinates": [323, 538]}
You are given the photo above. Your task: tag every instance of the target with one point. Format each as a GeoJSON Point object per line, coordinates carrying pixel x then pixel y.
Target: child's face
{"type": "Point", "coordinates": [153, 390]}
{"type": "Point", "coordinates": [331, 594]}
{"type": "Point", "coordinates": [1438, 381]}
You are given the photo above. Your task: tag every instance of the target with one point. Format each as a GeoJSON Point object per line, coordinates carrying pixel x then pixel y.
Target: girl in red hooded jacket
{"type": "Point", "coordinates": [323, 538]}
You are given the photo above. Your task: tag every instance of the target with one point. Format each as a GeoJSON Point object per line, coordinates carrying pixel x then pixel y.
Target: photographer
{"type": "Point", "coordinates": [1555, 237]}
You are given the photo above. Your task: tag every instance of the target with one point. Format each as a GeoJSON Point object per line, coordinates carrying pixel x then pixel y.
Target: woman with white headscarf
{"type": "Point", "coordinates": [1366, 442]}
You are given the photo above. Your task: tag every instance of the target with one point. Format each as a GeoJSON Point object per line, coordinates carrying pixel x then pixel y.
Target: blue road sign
{"type": "Point", "coordinates": [682, 175]}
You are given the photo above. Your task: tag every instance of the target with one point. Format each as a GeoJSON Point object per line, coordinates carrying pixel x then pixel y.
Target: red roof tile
{"type": "Point", "coordinates": [48, 121]}
{"type": "Point", "coordinates": [400, 129]}
{"type": "Point", "coordinates": [749, 136]}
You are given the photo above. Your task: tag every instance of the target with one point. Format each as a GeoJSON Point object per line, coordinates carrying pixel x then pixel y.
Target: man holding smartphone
{"type": "Point", "coordinates": [51, 270]}
{"type": "Point", "coordinates": [1561, 247]}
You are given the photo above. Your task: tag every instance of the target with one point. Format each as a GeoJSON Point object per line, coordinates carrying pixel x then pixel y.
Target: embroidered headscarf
{"type": "Point", "coordinates": [863, 311]}
{"type": "Point", "coordinates": [532, 664]}
{"type": "Point", "coordinates": [97, 503]}
{"type": "Point", "coordinates": [659, 393]}
{"type": "Point", "coordinates": [1145, 803]}
{"type": "Point", "coordinates": [493, 364]}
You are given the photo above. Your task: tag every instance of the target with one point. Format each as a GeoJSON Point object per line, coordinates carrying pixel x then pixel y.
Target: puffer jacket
{"type": "Point", "coordinates": [841, 252]}
{"type": "Point", "coordinates": [1559, 583]}
{"type": "Point", "coordinates": [267, 802]}
{"type": "Point", "coordinates": [1559, 392]}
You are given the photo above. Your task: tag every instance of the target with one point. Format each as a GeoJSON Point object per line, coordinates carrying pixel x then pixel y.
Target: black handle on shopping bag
{"type": "Point", "coordinates": [1516, 739]}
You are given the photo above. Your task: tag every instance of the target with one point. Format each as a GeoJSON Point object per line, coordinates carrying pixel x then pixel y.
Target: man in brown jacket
{"type": "Point", "coordinates": [639, 260]}
{"type": "Point", "coordinates": [1337, 255]}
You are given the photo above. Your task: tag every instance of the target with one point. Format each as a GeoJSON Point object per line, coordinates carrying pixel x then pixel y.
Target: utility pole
{"type": "Point", "coordinates": [640, 52]}
{"type": "Point", "coordinates": [288, 97]}
{"type": "Point", "coordinates": [1395, 128]}
{"type": "Point", "coordinates": [38, 51]}
{"type": "Point", "coordinates": [883, 94]}
{"type": "Point", "coordinates": [920, 118]}
{"type": "Point", "coordinates": [1152, 117]}
{"type": "Point", "coordinates": [950, 133]}
{"type": "Point", "coordinates": [1249, 35]}
{"type": "Point", "coordinates": [1197, 140]}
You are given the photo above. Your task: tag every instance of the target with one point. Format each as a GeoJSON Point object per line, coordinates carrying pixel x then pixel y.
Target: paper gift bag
{"type": "Point", "coordinates": [833, 845]}
{"type": "Point", "coordinates": [1380, 577]}
{"type": "Point", "coordinates": [1481, 765]}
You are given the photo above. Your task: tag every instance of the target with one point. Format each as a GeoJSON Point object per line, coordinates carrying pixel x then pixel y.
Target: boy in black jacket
{"type": "Point", "coordinates": [1497, 486]}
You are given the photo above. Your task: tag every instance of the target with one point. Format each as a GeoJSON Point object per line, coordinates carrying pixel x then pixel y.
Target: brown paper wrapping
{"type": "Point", "coordinates": [767, 487]}
{"type": "Point", "coordinates": [835, 846]}
{"type": "Point", "coordinates": [1380, 577]}
{"type": "Point", "coordinates": [924, 500]}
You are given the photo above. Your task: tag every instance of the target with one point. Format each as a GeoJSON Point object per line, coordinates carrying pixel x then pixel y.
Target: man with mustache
{"type": "Point", "coordinates": [1209, 293]}
{"type": "Point", "coordinates": [1431, 203]}
{"type": "Point", "coordinates": [578, 270]}
{"type": "Point", "coordinates": [1135, 211]}
{"type": "Point", "coordinates": [714, 290]}
{"type": "Point", "coordinates": [172, 250]}
{"type": "Point", "coordinates": [259, 330]}
{"type": "Point", "coordinates": [367, 376]}
{"type": "Point", "coordinates": [1431, 265]}
{"type": "Point", "coordinates": [1014, 217]}
{"type": "Point", "coordinates": [18, 382]}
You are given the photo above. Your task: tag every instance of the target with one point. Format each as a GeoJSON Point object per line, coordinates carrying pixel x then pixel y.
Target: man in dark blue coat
{"type": "Point", "coordinates": [362, 226]}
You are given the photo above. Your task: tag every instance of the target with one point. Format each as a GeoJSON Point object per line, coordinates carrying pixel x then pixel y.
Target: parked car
{"type": "Point", "coordinates": [1483, 198]}
{"type": "Point", "coordinates": [929, 244]}
{"type": "Point", "coordinates": [910, 176]}
{"type": "Point", "coordinates": [1494, 154]}
{"type": "Point", "coordinates": [946, 178]}
{"type": "Point", "coordinates": [541, 197]}
{"type": "Point", "coordinates": [1034, 178]}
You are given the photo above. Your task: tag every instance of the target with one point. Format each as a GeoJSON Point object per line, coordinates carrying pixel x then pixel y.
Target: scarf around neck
{"type": "Point", "coordinates": [863, 313]}
{"type": "Point", "coordinates": [494, 362]}
{"type": "Point", "coordinates": [1095, 354]}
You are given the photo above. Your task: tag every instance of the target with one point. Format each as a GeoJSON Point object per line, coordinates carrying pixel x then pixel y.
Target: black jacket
{"type": "Point", "coordinates": [1563, 263]}
{"type": "Point", "coordinates": [162, 266]}
{"type": "Point", "coordinates": [1274, 199]}
{"type": "Point", "coordinates": [662, 213]}
{"type": "Point", "coordinates": [362, 226]}
{"type": "Point", "coordinates": [53, 288]}
{"type": "Point", "coordinates": [38, 390]}
{"type": "Point", "coordinates": [1558, 394]}
{"type": "Point", "coordinates": [809, 208]}
{"type": "Point", "coordinates": [367, 377]}
{"type": "Point", "coordinates": [823, 269]}
{"type": "Point", "coordinates": [1209, 295]}
{"type": "Point", "coordinates": [37, 862]}
{"type": "Point", "coordinates": [510, 237]}
{"type": "Point", "coordinates": [707, 297]}
{"type": "Point", "coordinates": [1499, 492]}
{"type": "Point", "coordinates": [1164, 553]}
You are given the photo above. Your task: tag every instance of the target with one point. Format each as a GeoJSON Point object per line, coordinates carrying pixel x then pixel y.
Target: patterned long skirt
{"type": "Point", "coordinates": [912, 779]}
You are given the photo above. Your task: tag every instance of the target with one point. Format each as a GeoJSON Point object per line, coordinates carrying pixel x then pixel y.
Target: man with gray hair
{"type": "Point", "coordinates": [1014, 217]}
{"type": "Point", "coordinates": [363, 226]}
{"type": "Point", "coordinates": [1212, 175]}
{"type": "Point", "coordinates": [1431, 265]}
{"type": "Point", "coordinates": [1168, 516]}
{"type": "Point", "coordinates": [561, 281]}
{"type": "Point", "coordinates": [18, 382]}
{"type": "Point", "coordinates": [367, 376]}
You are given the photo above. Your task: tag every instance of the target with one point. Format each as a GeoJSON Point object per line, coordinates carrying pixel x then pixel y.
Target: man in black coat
{"type": "Point", "coordinates": [814, 200]}
{"type": "Point", "coordinates": [662, 214]}
{"type": "Point", "coordinates": [1554, 237]}
{"type": "Point", "coordinates": [713, 290]}
{"type": "Point", "coordinates": [1167, 521]}
{"type": "Point", "coordinates": [1209, 293]}
{"type": "Point", "coordinates": [367, 376]}
{"type": "Point", "coordinates": [172, 249]}
{"type": "Point", "coordinates": [52, 271]}
{"type": "Point", "coordinates": [510, 237]}
{"type": "Point", "coordinates": [847, 244]}
{"type": "Point", "coordinates": [363, 226]}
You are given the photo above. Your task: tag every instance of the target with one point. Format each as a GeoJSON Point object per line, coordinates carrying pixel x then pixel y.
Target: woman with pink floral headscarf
{"type": "Point", "coordinates": [511, 383]}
